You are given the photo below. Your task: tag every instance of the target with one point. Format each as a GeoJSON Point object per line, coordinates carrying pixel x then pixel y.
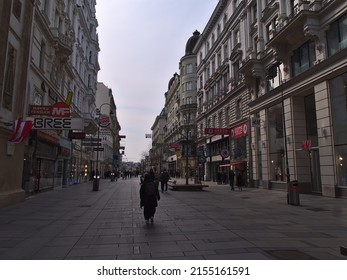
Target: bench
{"type": "Point", "coordinates": [190, 187]}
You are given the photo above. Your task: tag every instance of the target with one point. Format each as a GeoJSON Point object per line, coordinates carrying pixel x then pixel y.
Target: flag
{"type": "Point", "coordinates": [22, 129]}
{"type": "Point", "coordinates": [306, 145]}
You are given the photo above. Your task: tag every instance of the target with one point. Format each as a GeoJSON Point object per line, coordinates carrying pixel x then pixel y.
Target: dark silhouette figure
{"type": "Point", "coordinates": [231, 179]}
{"type": "Point", "coordinates": [164, 178]}
{"type": "Point", "coordinates": [149, 197]}
{"type": "Point", "coordinates": [239, 180]}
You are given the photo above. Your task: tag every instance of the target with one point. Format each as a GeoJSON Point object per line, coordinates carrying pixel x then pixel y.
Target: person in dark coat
{"type": "Point", "coordinates": [164, 178]}
{"type": "Point", "coordinates": [239, 180]}
{"type": "Point", "coordinates": [149, 197]}
{"type": "Point", "coordinates": [231, 179]}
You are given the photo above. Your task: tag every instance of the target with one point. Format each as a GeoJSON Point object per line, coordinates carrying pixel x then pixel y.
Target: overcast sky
{"type": "Point", "coordinates": [141, 43]}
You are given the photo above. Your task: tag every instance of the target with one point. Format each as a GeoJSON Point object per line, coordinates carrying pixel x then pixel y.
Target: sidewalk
{"type": "Point", "coordinates": [216, 223]}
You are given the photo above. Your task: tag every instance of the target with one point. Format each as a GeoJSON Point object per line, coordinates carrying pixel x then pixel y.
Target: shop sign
{"type": "Point", "coordinates": [36, 110]}
{"type": "Point", "coordinates": [239, 131]}
{"type": "Point", "coordinates": [175, 146]}
{"type": "Point", "coordinates": [217, 131]}
{"type": "Point", "coordinates": [201, 159]}
{"type": "Point", "coordinates": [77, 135]}
{"type": "Point", "coordinates": [59, 109]}
{"type": "Point", "coordinates": [104, 121]}
{"type": "Point", "coordinates": [224, 153]}
{"type": "Point", "coordinates": [57, 123]}
{"type": "Point", "coordinates": [255, 122]}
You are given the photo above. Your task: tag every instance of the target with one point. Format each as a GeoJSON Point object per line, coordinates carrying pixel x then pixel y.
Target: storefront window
{"type": "Point", "coordinates": [338, 93]}
{"type": "Point", "coordinates": [275, 143]}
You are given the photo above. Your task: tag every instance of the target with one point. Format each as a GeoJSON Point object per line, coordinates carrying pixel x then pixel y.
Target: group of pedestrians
{"type": "Point", "coordinates": [149, 193]}
{"type": "Point", "coordinates": [239, 179]}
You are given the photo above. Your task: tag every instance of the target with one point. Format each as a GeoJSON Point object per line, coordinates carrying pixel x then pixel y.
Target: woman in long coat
{"type": "Point", "coordinates": [149, 197]}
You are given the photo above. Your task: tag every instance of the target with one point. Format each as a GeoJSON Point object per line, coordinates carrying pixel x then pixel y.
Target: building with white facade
{"type": "Point", "coordinates": [180, 107]}
{"type": "Point", "coordinates": [109, 158]}
{"type": "Point", "coordinates": [272, 93]}
{"type": "Point", "coordinates": [16, 20]}
{"type": "Point", "coordinates": [50, 55]}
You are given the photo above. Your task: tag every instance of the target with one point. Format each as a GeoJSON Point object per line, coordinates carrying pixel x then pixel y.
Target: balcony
{"type": "Point", "coordinates": [301, 19]}
{"type": "Point", "coordinates": [188, 107]}
{"type": "Point", "coordinates": [63, 43]}
{"type": "Point", "coordinates": [252, 67]}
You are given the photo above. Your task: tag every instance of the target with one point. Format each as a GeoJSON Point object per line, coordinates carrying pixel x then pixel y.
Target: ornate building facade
{"type": "Point", "coordinates": [272, 92]}
{"type": "Point", "coordinates": [49, 65]}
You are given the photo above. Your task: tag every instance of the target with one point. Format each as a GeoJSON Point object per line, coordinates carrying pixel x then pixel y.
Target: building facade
{"type": "Point", "coordinates": [181, 106]}
{"type": "Point", "coordinates": [109, 158]}
{"type": "Point", "coordinates": [49, 55]}
{"type": "Point", "coordinates": [272, 93]}
{"type": "Point", "coordinates": [159, 150]}
{"type": "Point", "coordinates": [16, 20]}
{"type": "Point", "coordinates": [222, 94]}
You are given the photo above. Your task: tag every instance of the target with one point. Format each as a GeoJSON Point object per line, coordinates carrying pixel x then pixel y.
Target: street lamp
{"type": "Point", "coordinates": [187, 139]}
{"type": "Point", "coordinates": [106, 124]}
{"type": "Point", "coordinates": [292, 192]}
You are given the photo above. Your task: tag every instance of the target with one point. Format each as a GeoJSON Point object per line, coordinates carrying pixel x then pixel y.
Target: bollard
{"type": "Point", "coordinates": [96, 184]}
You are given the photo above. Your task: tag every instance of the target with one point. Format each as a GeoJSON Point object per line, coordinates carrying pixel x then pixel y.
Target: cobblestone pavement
{"type": "Point", "coordinates": [213, 224]}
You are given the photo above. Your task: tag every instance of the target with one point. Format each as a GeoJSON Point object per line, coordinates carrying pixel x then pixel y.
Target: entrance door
{"type": "Point", "coordinates": [315, 172]}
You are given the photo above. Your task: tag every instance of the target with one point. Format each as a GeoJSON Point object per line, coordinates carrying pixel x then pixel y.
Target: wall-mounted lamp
{"type": "Point", "coordinates": [323, 132]}
{"type": "Point", "coordinates": [340, 160]}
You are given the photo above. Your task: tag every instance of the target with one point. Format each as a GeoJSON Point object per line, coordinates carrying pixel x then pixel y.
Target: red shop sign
{"type": "Point", "coordinates": [239, 131]}
{"type": "Point", "coordinates": [217, 131]}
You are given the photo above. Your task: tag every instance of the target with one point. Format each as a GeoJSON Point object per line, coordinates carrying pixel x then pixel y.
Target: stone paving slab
{"type": "Point", "coordinates": [213, 224]}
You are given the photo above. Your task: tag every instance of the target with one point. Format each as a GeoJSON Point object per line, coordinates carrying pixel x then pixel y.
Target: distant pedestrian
{"type": "Point", "coordinates": [231, 179]}
{"type": "Point", "coordinates": [239, 180]}
{"type": "Point", "coordinates": [149, 197]}
{"type": "Point", "coordinates": [164, 178]}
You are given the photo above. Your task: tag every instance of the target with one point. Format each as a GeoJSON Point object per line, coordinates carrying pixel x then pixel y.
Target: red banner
{"type": "Point", "coordinates": [239, 131]}
{"type": "Point", "coordinates": [217, 131]}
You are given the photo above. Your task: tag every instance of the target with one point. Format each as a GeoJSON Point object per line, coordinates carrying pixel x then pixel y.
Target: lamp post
{"type": "Point", "coordinates": [284, 125]}
{"type": "Point", "coordinates": [292, 192]}
{"type": "Point", "coordinates": [187, 139]}
{"type": "Point", "coordinates": [107, 123]}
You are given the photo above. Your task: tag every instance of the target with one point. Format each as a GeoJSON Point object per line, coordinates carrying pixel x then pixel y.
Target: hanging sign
{"type": "Point", "coordinates": [224, 153]}
{"type": "Point", "coordinates": [239, 131]}
{"type": "Point", "coordinates": [217, 131]}
{"type": "Point", "coordinates": [57, 123]}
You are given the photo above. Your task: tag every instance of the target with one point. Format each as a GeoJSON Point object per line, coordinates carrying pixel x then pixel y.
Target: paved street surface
{"type": "Point", "coordinates": [217, 223]}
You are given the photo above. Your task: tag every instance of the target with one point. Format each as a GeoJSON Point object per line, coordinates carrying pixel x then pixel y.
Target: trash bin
{"type": "Point", "coordinates": [96, 184]}
{"type": "Point", "coordinates": [293, 193]}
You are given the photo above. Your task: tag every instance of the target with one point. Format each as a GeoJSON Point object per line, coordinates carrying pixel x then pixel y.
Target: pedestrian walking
{"type": "Point", "coordinates": [164, 178]}
{"type": "Point", "coordinates": [239, 180]}
{"type": "Point", "coordinates": [231, 179]}
{"type": "Point", "coordinates": [149, 197]}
